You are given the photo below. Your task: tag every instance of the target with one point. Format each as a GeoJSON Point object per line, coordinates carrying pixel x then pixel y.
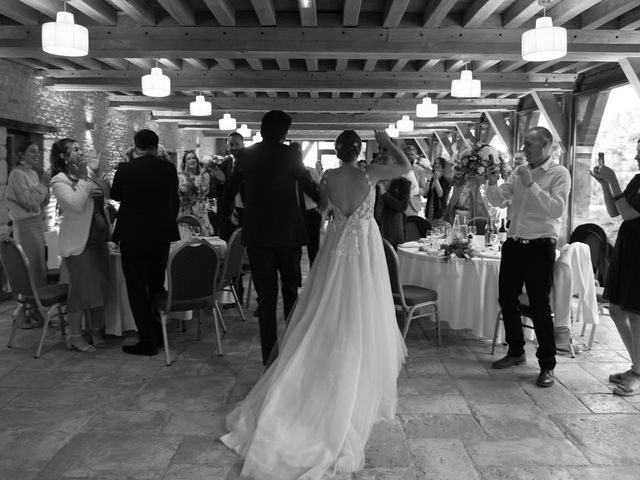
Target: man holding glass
{"type": "Point", "coordinates": [538, 193]}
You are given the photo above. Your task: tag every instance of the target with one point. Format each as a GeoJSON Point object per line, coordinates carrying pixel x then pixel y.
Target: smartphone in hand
{"type": "Point", "coordinates": [601, 159]}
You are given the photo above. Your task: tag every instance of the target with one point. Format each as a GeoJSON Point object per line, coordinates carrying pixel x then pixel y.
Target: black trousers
{"type": "Point", "coordinates": [530, 264]}
{"type": "Point", "coordinates": [266, 264]}
{"type": "Point", "coordinates": [312, 222]}
{"type": "Point", "coordinates": [144, 266]}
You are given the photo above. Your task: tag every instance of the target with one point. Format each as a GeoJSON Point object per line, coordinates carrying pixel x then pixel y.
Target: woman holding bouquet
{"type": "Point", "coordinates": [193, 189]}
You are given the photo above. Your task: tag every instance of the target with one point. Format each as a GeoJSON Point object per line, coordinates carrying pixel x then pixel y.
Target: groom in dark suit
{"type": "Point", "coordinates": [273, 227]}
{"type": "Point", "coordinates": [147, 189]}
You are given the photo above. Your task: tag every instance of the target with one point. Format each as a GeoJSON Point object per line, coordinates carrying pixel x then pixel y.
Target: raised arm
{"type": "Point", "coordinates": [383, 172]}
{"type": "Point", "coordinates": [616, 203]}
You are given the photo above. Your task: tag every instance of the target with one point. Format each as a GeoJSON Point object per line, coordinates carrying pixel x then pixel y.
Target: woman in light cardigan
{"type": "Point", "coordinates": [25, 196]}
{"type": "Point", "coordinates": [84, 233]}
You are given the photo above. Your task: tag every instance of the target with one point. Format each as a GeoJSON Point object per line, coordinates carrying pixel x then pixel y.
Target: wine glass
{"type": "Point", "coordinates": [472, 230]}
{"type": "Point", "coordinates": [494, 240]}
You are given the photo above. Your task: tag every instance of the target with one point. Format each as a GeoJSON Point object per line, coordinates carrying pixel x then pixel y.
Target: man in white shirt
{"type": "Point", "coordinates": [418, 179]}
{"type": "Point", "coordinates": [538, 193]}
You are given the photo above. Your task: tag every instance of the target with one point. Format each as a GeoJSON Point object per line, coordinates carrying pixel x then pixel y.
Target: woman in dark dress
{"type": "Point", "coordinates": [438, 191]}
{"type": "Point", "coordinates": [623, 278]}
{"type": "Point", "coordinates": [84, 233]}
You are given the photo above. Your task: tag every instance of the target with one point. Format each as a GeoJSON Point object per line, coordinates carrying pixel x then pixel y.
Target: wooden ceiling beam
{"type": "Point", "coordinates": [311, 63]}
{"type": "Point", "coordinates": [283, 64]}
{"type": "Point", "coordinates": [478, 12]}
{"type": "Point", "coordinates": [322, 43]}
{"type": "Point", "coordinates": [399, 65]}
{"type": "Point", "coordinates": [180, 11]}
{"type": "Point", "coordinates": [117, 63]}
{"type": "Point", "coordinates": [87, 62]}
{"type": "Point", "coordinates": [370, 65]}
{"type": "Point", "coordinates": [170, 64]}
{"type": "Point", "coordinates": [604, 12]}
{"type": "Point", "coordinates": [325, 118]}
{"type": "Point", "coordinates": [197, 63]}
{"type": "Point", "coordinates": [143, 63]}
{"type": "Point", "coordinates": [504, 131]}
{"type": "Point", "coordinates": [138, 10]}
{"type": "Point", "coordinates": [351, 13]}
{"type": "Point", "coordinates": [223, 10]}
{"type": "Point", "coordinates": [443, 138]}
{"type": "Point", "coordinates": [265, 11]}
{"type": "Point", "coordinates": [393, 12]}
{"type": "Point", "coordinates": [343, 105]}
{"type": "Point", "coordinates": [18, 11]}
{"type": "Point", "coordinates": [520, 13]}
{"type": "Point", "coordinates": [308, 13]}
{"type": "Point", "coordinates": [631, 69]}
{"type": "Point", "coordinates": [630, 20]}
{"type": "Point", "coordinates": [255, 63]}
{"type": "Point", "coordinates": [567, 10]}
{"type": "Point", "coordinates": [557, 120]}
{"type": "Point", "coordinates": [226, 63]}
{"type": "Point", "coordinates": [99, 10]}
{"type": "Point", "coordinates": [341, 64]}
{"type": "Point", "coordinates": [436, 12]}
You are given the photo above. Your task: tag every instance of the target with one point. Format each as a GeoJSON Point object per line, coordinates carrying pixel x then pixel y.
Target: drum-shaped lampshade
{"type": "Point", "coordinates": [64, 37]}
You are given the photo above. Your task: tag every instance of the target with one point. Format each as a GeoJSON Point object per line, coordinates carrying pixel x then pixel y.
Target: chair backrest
{"type": "Point", "coordinates": [415, 227]}
{"type": "Point", "coordinates": [190, 221]}
{"type": "Point", "coordinates": [480, 223]}
{"type": "Point", "coordinates": [392, 265]}
{"type": "Point", "coordinates": [16, 264]}
{"type": "Point", "coordinates": [192, 271]}
{"type": "Point", "coordinates": [234, 256]}
{"type": "Point", "coordinates": [594, 236]}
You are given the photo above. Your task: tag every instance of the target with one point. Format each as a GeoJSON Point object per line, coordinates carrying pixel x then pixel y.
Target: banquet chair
{"type": "Point", "coordinates": [410, 298]}
{"type": "Point", "coordinates": [480, 223]}
{"type": "Point", "coordinates": [415, 227]}
{"type": "Point", "coordinates": [50, 298]}
{"type": "Point", "coordinates": [231, 270]}
{"type": "Point", "coordinates": [190, 221]}
{"type": "Point", "coordinates": [192, 274]}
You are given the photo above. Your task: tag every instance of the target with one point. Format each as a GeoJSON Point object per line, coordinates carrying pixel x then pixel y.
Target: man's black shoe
{"type": "Point", "coordinates": [140, 349]}
{"type": "Point", "coordinates": [508, 361]}
{"type": "Point", "coordinates": [228, 306]}
{"type": "Point", "coordinates": [546, 378]}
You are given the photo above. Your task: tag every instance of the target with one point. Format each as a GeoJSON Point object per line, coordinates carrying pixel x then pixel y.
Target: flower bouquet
{"type": "Point", "coordinates": [473, 163]}
{"type": "Point", "coordinates": [459, 248]}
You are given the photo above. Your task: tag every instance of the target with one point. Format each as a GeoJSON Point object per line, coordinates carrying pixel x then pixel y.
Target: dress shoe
{"type": "Point", "coordinates": [508, 361]}
{"type": "Point", "coordinates": [546, 378]}
{"type": "Point", "coordinates": [228, 306]}
{"type": "Point", "coordinates": [140, 349]}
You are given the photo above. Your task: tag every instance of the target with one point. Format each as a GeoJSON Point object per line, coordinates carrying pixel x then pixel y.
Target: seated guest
{"type": "Point", "coordinates": [437, 191]}
{"type": "Point", "coordinates": [193, 190]}
{"type": "Point", "coordinates": [392, 199]}
{"type": "Point", "coordinates": [84, 233]}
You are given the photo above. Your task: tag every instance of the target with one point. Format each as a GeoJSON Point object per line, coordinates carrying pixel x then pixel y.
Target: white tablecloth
{"type": "Point", "coordinates": [467, 289]}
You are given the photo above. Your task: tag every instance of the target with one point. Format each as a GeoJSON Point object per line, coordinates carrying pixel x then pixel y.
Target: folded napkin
{"type": "Point", "coordinates": [410, 244]}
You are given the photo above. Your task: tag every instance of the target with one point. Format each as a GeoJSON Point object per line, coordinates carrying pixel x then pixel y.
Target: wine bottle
{"type": "Point", "coordinates": [455, 228]}
{"type": "Point", "coordinates": [502, 232]}
{"type": "Point", "coordinates": [487, 234]}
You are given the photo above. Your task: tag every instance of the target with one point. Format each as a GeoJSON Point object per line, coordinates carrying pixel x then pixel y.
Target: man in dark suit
{"type": "Point", "coordinates": [235, 143]}
{"type": "Point", "coordinates": [147, 189]}
{"type": "Point", "coordinates": [273, 227]}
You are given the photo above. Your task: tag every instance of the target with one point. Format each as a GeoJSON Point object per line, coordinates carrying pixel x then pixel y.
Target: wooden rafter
{"type": "Point", "coordinates": [99, 10]}
{"type": "Point", "coordinates": [631, 69]}
{"type": "Point", "coordinates": [556, 118]}
{"type": "Point", "coordinates": [18, 11]}
{"type": "Point", "coordinates": [436, 12]}
{"type": "Point", "coordinates": [566, 10]}
{"type": "Point", "coordinates": [138, 10]}
{"type": "Point", "coordinates": [180, 10]}
{"type": "Point", "coordinates": [351, 13]}
{"type": "Point", "coordinates": [478, 12]}
{"type": "Point", "coordinates": [265, 11]}
{"type": "Point", "coordinates": [223, 10]}
{"type": "Point", "coordinates": [604, 12]}
{"type": "Point", "coordinates": [630, 21]}
{"type": "Point", "coordinates": [500, 127]}
{"type": "Point", "coordinates": [393, 12]}
{"type": "Point", "coordinates": [443, 138]}
{"type": "Point", "coordinates": [519, 13]}
{"type": "Point", "coordinates": [308, 13]}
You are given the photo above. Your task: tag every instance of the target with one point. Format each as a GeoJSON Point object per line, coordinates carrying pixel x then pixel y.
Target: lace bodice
{"type": "Point", "coordinates": [348, 227]}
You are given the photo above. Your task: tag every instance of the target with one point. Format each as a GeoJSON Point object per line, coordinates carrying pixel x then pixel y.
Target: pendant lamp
{"type": "Point", "coordinates": [392, 131]}
{"type": "Point", "coordinates": [405, 124]}
{"type": "Point", "coordinates": [426, 109]}
{"type": "Point", "coordinates": [156, 84]}
{"type": "Point", "coordinates": [64, 37]}
{"type": "Point", "coordinates": [466, 86]}
{"type": "Point", "coordinates": [200, 108]}
{"type": "Point", "coordinates": [227, 122]}
{"type": "Point", "coordinates": [545, 42]}
{"type": "Point", "coordinates": [244, 131]}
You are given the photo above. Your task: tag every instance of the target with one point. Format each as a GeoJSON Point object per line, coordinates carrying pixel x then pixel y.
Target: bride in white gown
{"type": "Point", "coordinates": [311, 413]}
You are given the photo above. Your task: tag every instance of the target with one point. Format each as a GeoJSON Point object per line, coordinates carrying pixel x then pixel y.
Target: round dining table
{"type": "Point", "coordinates": [467, 288]}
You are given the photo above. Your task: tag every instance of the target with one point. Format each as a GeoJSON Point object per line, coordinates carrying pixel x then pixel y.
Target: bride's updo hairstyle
{"type": "Point", "coordinates": [348, 146]}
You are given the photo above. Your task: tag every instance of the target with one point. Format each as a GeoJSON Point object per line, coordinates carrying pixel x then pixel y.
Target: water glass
{"type": "Point", "coordinates": [493, 238]}
{"type": "Point", "coordinates": [472, 230]}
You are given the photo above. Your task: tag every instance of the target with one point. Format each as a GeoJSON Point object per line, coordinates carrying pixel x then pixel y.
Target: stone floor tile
{"type": "Point", "coordinates": [465, 368]}
{"type": "Point", "coordinates": [502, 421]}
{"type": "Point", "coordinates": [606, 403]}
{"type": "Point", "coordinates": [187, 393]}
{"type": "Point", "coordinates": [112, 421]}
{"type": "Point", "coordinates": [434, 403]}
{"type": "Point", "coordinates": [525, 452]}
{"type": "Point", "coordinates": [114, 456]}
{"type": "Point", "coordinates": [493, 390]}
{"type": "Point", "coordinates": [528, 473]}
{"type": "Point", "coordinates": [441, 459]}
{"type": "Point", "coordinates": [600, 473]}
{"type": "Point", "coordinates": [55, 397]}
{"type": "Point", "coordinates": [556, 399]}
{"type": "Point", "coordinates": [196, 423]}
{"type": "Point", "coordinates": [441, 426]}
{"type": "Point", "coordinates": [205, 450]}
{"type": "Point", "coordinates": [425, 384]}
{"type": "Point", "coordinates": [385, 474]}
{"type": "Point", "coordinates": [22, 469]}
{"type": "Point", "coordinates": [417, 367]}
{"type": "Point", "coordinates": [191, 472]}
{"type": "Point", "coordinates": [577, 380]}
{"type": "Point", "coordinates": [8, 394]}
{"type": "Point", "coordinates": [605, 439]}
{"type": "Point", "coordinates": [387, 446]}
